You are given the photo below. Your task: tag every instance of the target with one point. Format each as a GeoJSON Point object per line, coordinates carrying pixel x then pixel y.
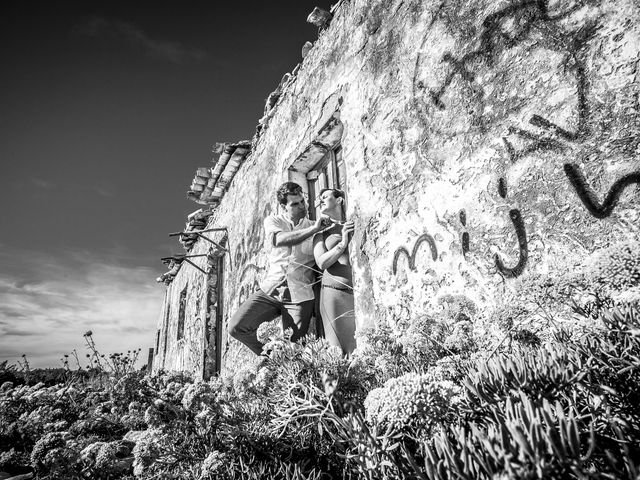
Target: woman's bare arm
{"type": "Point", "coordinates": [325, 258]}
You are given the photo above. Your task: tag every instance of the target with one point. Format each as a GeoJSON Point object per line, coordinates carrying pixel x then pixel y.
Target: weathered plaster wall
{"type": "Point", "coordinates": [473, 134]}
{"type": "Point", "coordinates": [459, 118]}
{"type": "Point", "coordinates": [193, 352]}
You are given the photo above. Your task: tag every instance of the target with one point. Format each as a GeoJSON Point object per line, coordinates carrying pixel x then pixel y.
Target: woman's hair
{"type": "Point", "coordinates": [337, 194]}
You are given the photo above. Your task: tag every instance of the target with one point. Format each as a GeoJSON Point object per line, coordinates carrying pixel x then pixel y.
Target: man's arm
{"type": "Point", "coordinates": [288, 239]}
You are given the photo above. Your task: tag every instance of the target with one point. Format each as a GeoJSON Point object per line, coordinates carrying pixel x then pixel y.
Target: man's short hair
{"type": "Point", "coordinates": [286, 189]}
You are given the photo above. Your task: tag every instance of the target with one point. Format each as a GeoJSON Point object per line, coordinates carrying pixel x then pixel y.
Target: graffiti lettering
{"type": "Point", "coordinates": [253, 239]}
{"type": "Point", "coordinates": [465, 243]}
{"type": "Point", "coordinates": [248, 281]}
{"type": "Point", "coordinates": [589, 197]}
{"type": "Point", "coordinates": [540, 143]}
{"type": "Point", "coordinates": [402, 251]}
{"type": "Point", "coordinates": [502, 187]}
{"type": "Point", "coordinates": [465, 235]}
{"type": "Point", "coordinates": [504, 30]}
{"type": "Point", "coordinates": [519, 24]}
{"type": "Point", "coordinates": [463, 218]}
{"type": "Point", "coordinates": [523, 15]}
{"type": "Point", "coordinates": [521, 233]}
{"type": "Point", "coordinates": [246, 290]}
{"type": "Point", "coordinates": [194, 349]}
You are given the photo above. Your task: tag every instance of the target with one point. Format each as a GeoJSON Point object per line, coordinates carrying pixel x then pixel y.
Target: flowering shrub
{"type": "Point", "coordinates": [455, 393]}
{"type": "Point", "coordinates": [49, 452]}
{"type": "Point", "coordinates": [269, 331]}
{"type": "Point", "coordinates": [149, 447]}
{"type": "Point", "coordinates": [213, 464]}
{"type": "Point", "coordinates": [197, 395]}
{"type": "Point", "coordinates": [412, 401]}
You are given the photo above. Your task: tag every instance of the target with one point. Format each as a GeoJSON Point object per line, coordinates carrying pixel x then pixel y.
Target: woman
{"type": "Point", "coordinates": [330, 248]}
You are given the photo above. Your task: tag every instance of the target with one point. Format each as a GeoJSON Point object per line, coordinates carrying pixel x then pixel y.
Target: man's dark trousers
{"type": "Point", "coordinates": [260, 308]}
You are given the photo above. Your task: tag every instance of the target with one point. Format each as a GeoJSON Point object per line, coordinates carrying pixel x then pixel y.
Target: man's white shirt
{"type": "Point", "coordinates": [293, 264]}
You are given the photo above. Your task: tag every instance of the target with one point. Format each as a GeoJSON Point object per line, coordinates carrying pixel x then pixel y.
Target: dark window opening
{"type": "Point", "coordinates": [183, 304]}
{"type": "Point", "coordinates": [329, 172]}
{"type": "Point", "coordinates": [166, 334]}
{"type": "Point", "coordinates": [219, 315]}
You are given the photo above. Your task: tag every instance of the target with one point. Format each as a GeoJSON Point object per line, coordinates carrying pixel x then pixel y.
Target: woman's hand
{"type": "Point", "coordinates": [347, 231]}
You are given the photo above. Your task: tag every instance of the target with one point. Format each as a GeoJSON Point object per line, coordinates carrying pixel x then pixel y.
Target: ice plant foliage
{"type": "Point", "coordinates": [546, 385]}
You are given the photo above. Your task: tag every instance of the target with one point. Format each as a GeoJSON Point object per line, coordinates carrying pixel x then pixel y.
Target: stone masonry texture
{"type": "Point", "coordinates": [483, 140]}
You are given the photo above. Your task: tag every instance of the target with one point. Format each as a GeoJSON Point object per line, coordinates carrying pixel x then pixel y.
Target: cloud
{"type": "Point", "coordinates": [104, 192]}
{"type": "Point", "coordinates": [174, 52]}
{"type": "Point", "coordinates": [42, 183]}
{"type": "Point", "coordinates": [48, 301]}
{"type": "Point", "coordinates": [15, 332]}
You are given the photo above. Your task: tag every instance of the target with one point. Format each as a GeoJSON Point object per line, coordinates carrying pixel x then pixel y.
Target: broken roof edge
{"type": "Point", "coordinates": [218, 177]}
{"type": "Point", "coordinates": [283, 88]}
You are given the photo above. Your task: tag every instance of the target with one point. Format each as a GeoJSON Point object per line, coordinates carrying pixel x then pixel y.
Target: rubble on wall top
{"type": "Point", "coordinates": [319, 17]}
{"type": "Point", "coordinates": [174, 267]}
{"type": "Point", "coordinates": [306, 48]}
{"type": "Point", "coordinates": [272, 101]}
{"type": "Point", "coordinates": [210, 184]}
{"type": "Point", "coordinates": [195, 221]}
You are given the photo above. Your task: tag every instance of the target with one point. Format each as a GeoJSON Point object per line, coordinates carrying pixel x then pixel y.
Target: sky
{"type": "Point", "coordinates": [106, 110]}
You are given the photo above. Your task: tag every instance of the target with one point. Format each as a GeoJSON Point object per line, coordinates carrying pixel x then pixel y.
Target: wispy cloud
{"type": "Point", "coordinates": [16, 332]}
{"type": "Point", "coordinates": [48, 301]}
{"type": "Point", "coordinates": [104, 191]}
{"type": "Point", "coordinates": [42, 183]}
{"type": "Point", "coordinates": [136, 37]}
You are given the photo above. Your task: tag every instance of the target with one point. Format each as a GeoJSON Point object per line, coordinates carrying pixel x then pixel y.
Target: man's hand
{"type": "Point", "coordinates": [322, 222]}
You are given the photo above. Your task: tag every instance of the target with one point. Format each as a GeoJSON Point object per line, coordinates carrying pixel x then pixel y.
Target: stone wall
{"type": "Point", "coordinates": [483, 141]}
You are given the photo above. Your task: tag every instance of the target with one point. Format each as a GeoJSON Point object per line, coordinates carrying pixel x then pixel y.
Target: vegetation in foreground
{"type": "Point", "coordinates": [545, 386]}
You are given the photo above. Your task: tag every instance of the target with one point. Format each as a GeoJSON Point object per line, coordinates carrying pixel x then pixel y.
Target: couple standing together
{"type": "Point", "coordinates": [295, 245]}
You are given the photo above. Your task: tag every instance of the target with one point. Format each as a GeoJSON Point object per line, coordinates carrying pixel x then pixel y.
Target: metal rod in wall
{"type": "Point", "coordinates": [191, 263]}
{"type": "Point", "coordinates": [215, 229]}
{"type": "Point", "coordinates": [182, 256]}
{"type": "Point", "coordinates": [209, 240]}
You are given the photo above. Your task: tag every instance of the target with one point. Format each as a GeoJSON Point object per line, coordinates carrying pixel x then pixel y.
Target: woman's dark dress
{"type": "Point", "coordinates": [336, 299]}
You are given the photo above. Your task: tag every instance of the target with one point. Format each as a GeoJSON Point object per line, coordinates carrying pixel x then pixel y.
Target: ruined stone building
{"type": "Point", "coordinates": [478, 142]}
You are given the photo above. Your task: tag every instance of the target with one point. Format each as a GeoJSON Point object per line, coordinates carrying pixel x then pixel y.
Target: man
{"type": "Point", "coordinates": [287, 287]}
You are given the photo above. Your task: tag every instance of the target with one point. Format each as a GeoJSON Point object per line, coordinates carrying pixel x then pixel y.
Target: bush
{"type": "Point", "coordinates": [457, 393]}
{"type": "Point", "coordinates": [570, 411]}
{"type": "Point", "coordinates": [412, 402]}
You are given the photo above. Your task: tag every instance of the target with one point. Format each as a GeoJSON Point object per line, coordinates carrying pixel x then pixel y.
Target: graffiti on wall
{"type": "Point", "coordinates": [508, 272]}
{"type": "Point", "coordinates": [244, 279]}
{"type": "Point", "coordinates": [529, 23]}
{"type": "Point", "coordinates": [252, 240]}
{"type": "Point", "coordinates": [589, 197]}
{"type": "Point", "coordinates": [584, 192]}
{"type": "Point", "coordinates": [411, 257]}
{"type": "Point", "coordinates": [521, 234]}
{"type": "Point", "coordinates": [465, 235]}
{"type": "Point", "coordinates": [501, 31]}
{"type": "Point", "coordinates": [194, 331]}
{"type": "Point", "coordinates": [248, 281]}
{"type": "Point", "coordinates": [195, 354]}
